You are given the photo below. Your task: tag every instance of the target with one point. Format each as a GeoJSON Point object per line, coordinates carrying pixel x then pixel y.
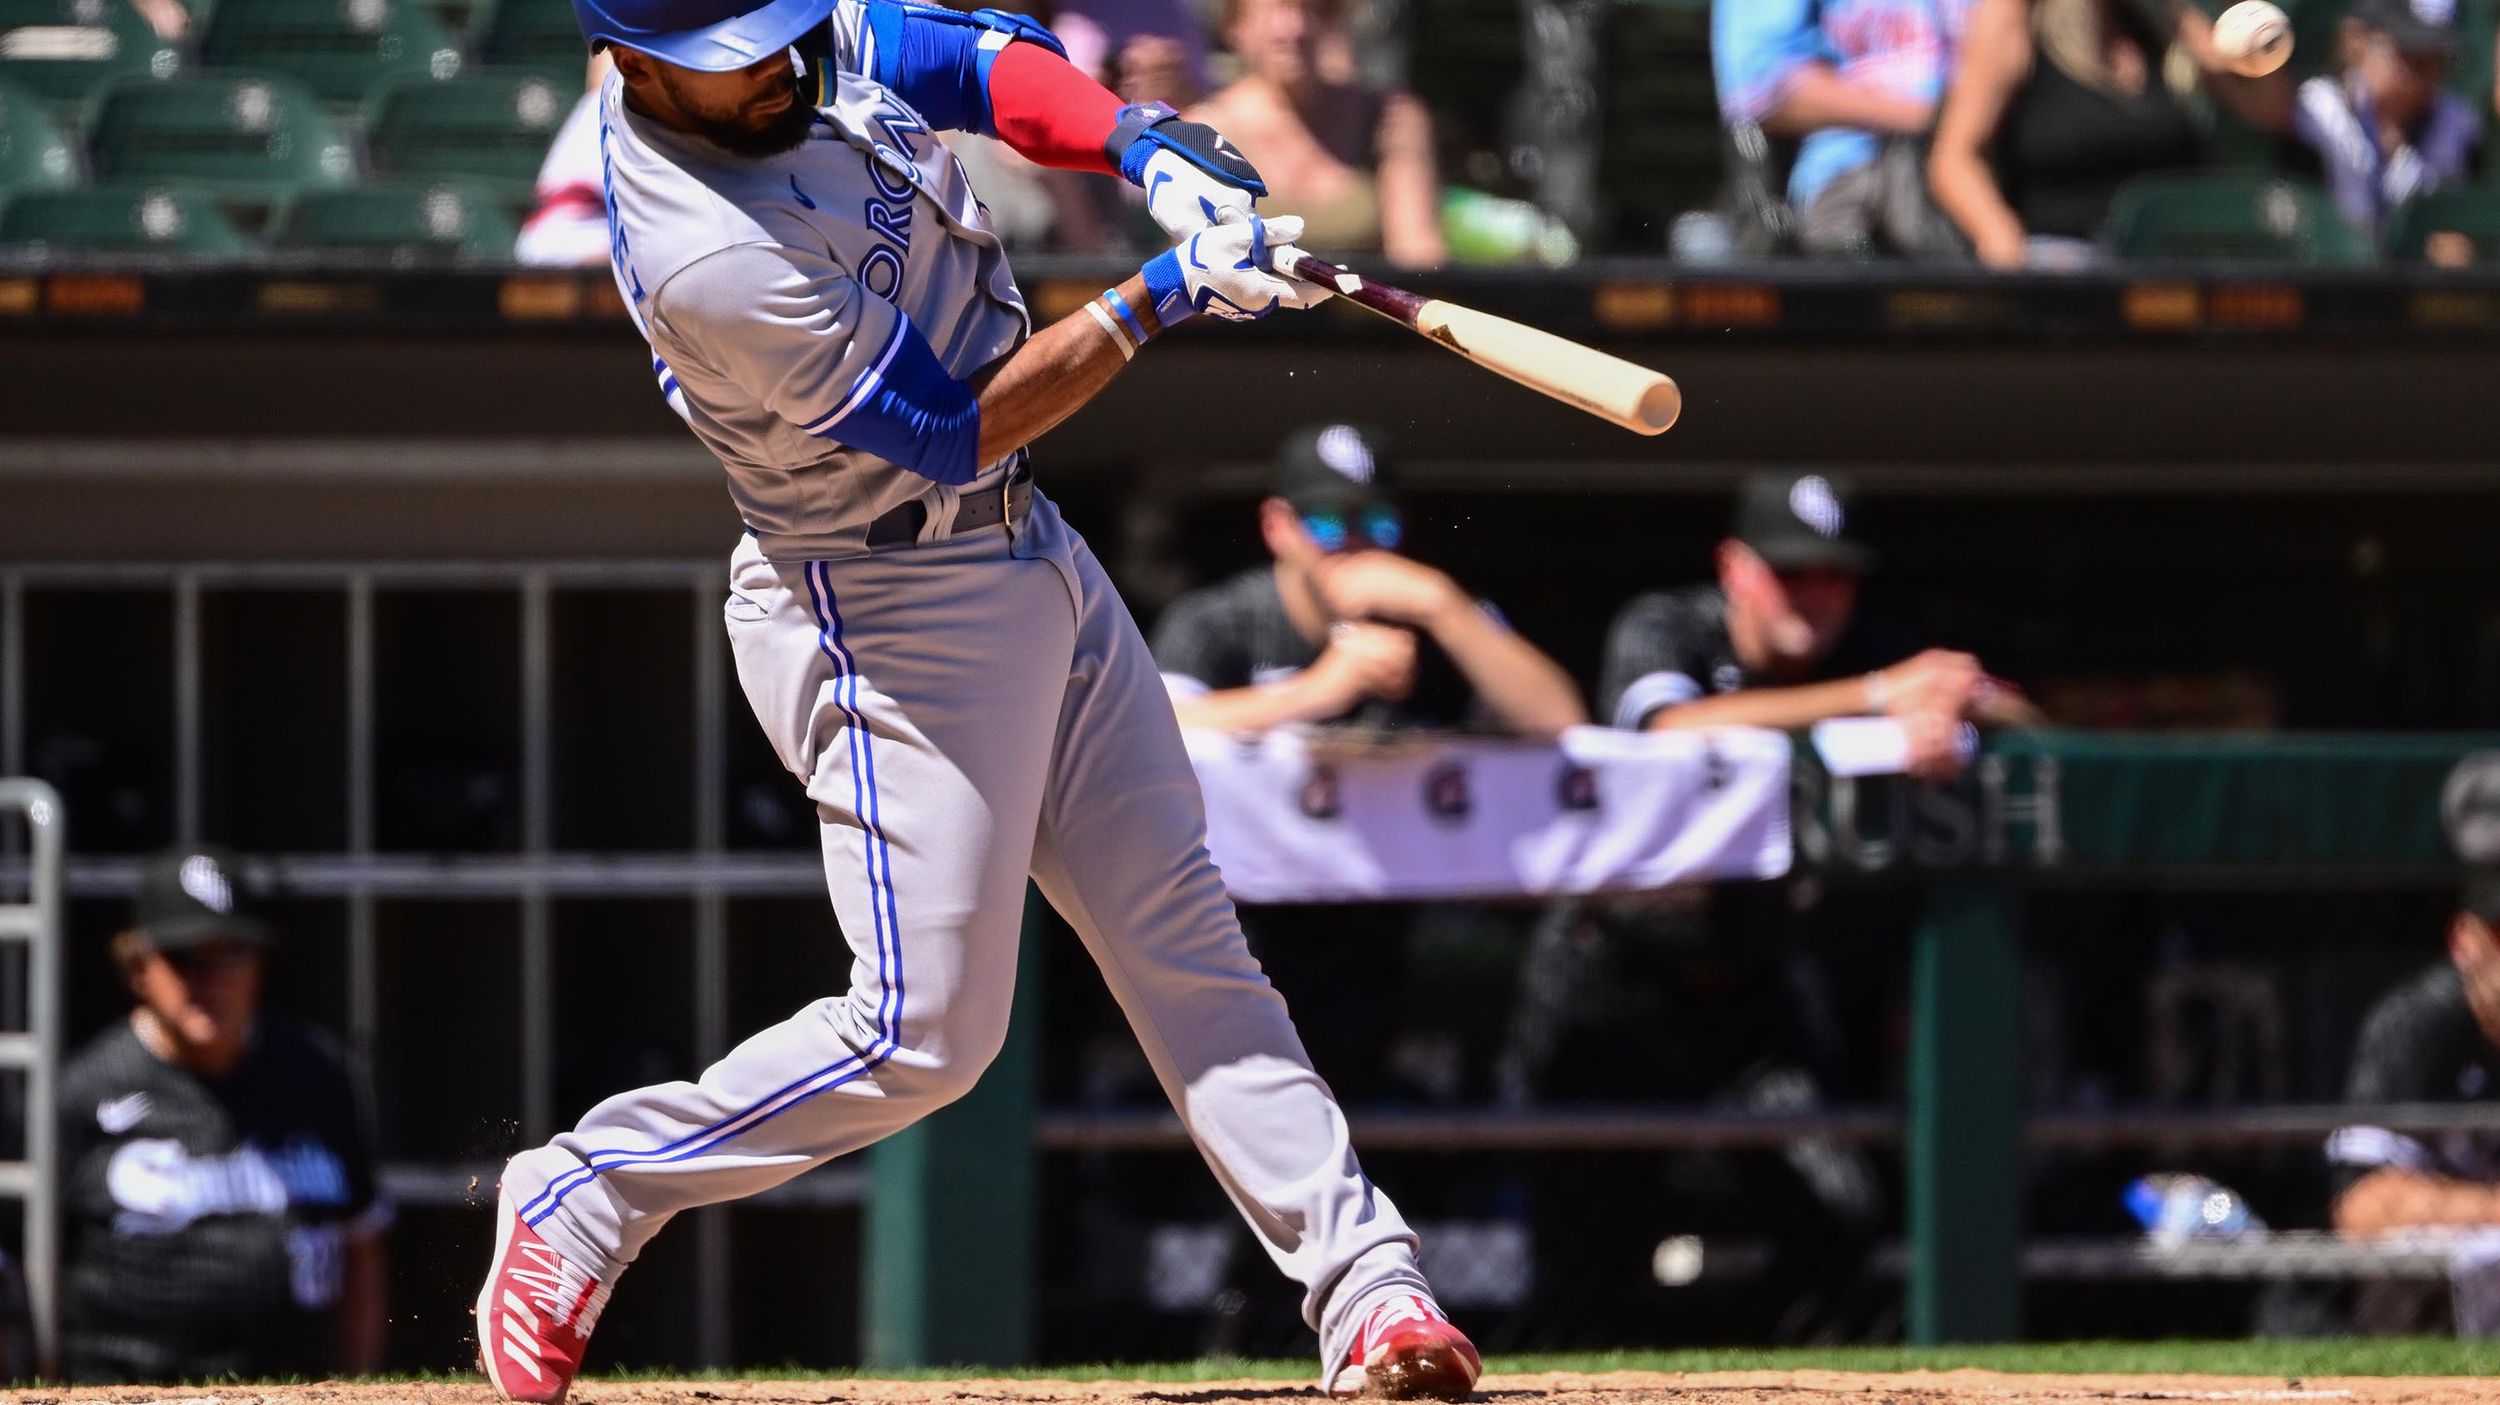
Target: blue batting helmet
{"type": "Point", "coordinates": [715, 36]}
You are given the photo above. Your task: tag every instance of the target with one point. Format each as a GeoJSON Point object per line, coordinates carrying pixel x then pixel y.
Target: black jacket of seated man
{"type": "Point", "coordinates": [217, 1160]}
{"type": "Point", "coordinates": [2433, 1039]}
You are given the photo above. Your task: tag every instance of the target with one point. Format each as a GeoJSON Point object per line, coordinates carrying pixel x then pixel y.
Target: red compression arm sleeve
{"type": "Point", "coordinates": [1050, 112]}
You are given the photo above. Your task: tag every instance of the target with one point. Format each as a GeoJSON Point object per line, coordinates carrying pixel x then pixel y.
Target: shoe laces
{"type": "Point", "coordinates": [555, 1285]}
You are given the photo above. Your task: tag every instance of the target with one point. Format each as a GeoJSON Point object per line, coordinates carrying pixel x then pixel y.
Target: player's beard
{"type": "Point", "coordinates": [750, 136]}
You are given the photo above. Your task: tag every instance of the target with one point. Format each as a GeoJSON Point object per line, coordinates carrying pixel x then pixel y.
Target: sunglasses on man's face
{"type": "Point", "coordinates": [1338, 531]}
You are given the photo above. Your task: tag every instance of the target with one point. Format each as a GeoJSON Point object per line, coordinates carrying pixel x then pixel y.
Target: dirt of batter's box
{"type": "Point", "coordinates": [1616, 1388]}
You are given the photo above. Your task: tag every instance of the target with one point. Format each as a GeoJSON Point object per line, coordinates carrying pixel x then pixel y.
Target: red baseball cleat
{"type": "Point", "coordinates": [534, 1315]}
{"type": "Point", "coordinates": [1406, 1349]}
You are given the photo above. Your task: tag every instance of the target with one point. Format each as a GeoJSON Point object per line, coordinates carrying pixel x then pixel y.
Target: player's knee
{"type": "Point", "coordinates": [947, 1057]}
{"type": "Point", "coordinates": [968, 1054]}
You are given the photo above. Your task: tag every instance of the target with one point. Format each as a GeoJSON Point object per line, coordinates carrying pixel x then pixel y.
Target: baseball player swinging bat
{"type": "Point", "coordinates": [1609, 387]}
{"type": "Point", "coordinates": [933, 652]}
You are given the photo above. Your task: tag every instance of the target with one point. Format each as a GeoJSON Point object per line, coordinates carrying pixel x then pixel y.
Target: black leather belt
{"type": "Point", "coordinates": [902, 525]}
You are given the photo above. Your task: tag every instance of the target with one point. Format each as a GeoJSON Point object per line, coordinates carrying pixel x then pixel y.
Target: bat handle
{"type": "Point", "coordinates": [1310, 269]}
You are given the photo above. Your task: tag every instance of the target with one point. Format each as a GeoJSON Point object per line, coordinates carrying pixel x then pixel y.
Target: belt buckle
{"type": "Point", "coordinates": [1007, 490]}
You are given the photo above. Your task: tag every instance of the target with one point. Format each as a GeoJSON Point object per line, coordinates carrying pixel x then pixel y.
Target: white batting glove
{"type": "Point", "coordinates": [1192, 176]}
{"type": "Point", "coordinates": [1229, 270]}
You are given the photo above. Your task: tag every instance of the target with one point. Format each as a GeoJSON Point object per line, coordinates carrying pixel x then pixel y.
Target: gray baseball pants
{"type": "Point", "coordinates": [966, 713]}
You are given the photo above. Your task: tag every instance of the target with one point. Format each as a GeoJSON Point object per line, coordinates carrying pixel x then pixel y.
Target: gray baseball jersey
{"type": "Point", "coordinates": [780, 295]}
{"type": "Point", "coordinates": [965, 714]}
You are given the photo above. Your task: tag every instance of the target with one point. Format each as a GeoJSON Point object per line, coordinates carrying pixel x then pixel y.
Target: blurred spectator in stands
{"type": "Point", "coordinates": [1341, 627]}
{"type": "Point", "coordinates": [1780, 642]}
{"type": "Point", "coordinates": [217, 1163]}
{"type": "Point", "coordinates": [569, 226]}
{"type": "Point", "coordinates": [171, 19]}
{"type": "Point", "coordinates": [1857, 81]}
{"type": "Point", "coordinates": [1144, 50]}
{"type": "Point", "coordinates": [2057, 103]}
{"type": "Point", "coordinates": [2434, 1039]}
{"type": "Point", "coordinates": [1356, 163]}
{"type": "Point", "coordinates": [2385, 130]}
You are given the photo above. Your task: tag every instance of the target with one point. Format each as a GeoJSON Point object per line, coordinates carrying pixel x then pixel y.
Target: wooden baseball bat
{"type": "Point", "coordinates": [1609, 387]}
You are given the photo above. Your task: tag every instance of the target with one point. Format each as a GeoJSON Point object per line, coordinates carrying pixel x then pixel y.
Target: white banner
{"type": "Point", "coordinates": [1311, 815]}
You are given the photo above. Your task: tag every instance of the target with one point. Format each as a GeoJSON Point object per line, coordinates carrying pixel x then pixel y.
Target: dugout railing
{"type": "Point", "coordinates": [947, 1244]}
{"type": "Point", "coordinates": [30, 1002]}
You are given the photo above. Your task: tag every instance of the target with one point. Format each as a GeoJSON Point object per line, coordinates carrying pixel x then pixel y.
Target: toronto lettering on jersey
{"type": "Point", "coordinates": [887, 212]}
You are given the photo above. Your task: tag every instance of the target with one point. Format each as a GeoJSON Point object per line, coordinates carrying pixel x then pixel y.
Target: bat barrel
{"type": "Point", "coordinates": [1609, 387]}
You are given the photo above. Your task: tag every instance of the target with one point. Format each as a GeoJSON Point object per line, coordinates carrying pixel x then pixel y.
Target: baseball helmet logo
{"type": "Point", "coordinates": [207, 884]}
{"type": "Point", "coordinates": [2469, 807]}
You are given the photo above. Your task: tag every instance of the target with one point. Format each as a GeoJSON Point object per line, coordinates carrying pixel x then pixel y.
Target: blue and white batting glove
{"type": "Point", "coordinates": [1229, 270]}
{"type": "Point", "coordinates": [1192, 176]}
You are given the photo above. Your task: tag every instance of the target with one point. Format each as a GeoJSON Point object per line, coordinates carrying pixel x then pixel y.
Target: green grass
{"type": "Point", "coordinates": [2355, 1356]}
{"type": "Point", "coordinates": [2360, 1356]}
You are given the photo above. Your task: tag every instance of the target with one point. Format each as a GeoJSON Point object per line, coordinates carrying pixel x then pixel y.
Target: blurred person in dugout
{"type": "Point", "coordinates": [2384, 129]}
{"type": "Point", "coordinates": [1340, 628]}
{"type": "Point", "coordinates": [2055, 104]}
{"type": "Point", "coordinates": [1357, 164]}
{"type": "Point", "coordinates": [2433, 1039]}
{"type": "Point", "coordinates": [217, 1162]}
{"type": "Point", "coordinates": [1764, 997]}
{"type": "Point", "coordinates": [1855, 83]}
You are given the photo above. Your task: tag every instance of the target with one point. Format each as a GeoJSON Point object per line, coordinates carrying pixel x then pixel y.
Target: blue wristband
{"type": "Point", "coordinates": [1165, 289]}
{"type": "Point", "coordinates": [1136, 329]}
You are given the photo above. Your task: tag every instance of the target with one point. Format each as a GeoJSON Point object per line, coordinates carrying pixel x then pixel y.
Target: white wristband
{"type": "Point", "coordinates": [1111, 329]}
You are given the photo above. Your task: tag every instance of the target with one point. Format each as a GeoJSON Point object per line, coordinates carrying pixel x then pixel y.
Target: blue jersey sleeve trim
{"type": "Point", "coordinates": [940, 59]}
{"type": "Point", "coordinates": [909, 411]}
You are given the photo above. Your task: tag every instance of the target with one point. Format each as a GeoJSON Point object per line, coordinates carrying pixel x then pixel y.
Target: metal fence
{"type": "Point", "coordinates": [384, 893]}
{"type": "Point", "coordinates": [519, 796]}
{"type": "Point", "coordinates": [30, 996]}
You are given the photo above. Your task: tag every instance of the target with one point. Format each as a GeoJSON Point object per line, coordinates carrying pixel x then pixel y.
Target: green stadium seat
{"type": "Point", "coordinates": [34, 155]}
{"type": "Point", "coordinates": [2232, 216]}
{"type": "Point", "coordinates": [237, 136]}
{"type": "Point", "coordinates": [409, 220]}
{"type": "Point", "coordinates": [168, 217]}
{"type": "Point", "coordinates": [494, 126]}
{"type": "Point", "coordinates": [340, 49]}
{"type": "Point", "coordinates": [64, 51]}
{"type": "Point", "coordinates": [2472, 213]}
{"type": "Point", "coordinates": [539, 35]}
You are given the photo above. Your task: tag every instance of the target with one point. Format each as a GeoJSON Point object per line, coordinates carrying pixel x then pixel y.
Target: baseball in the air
{"type": "Point", "coordinates": [2253, 37]}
